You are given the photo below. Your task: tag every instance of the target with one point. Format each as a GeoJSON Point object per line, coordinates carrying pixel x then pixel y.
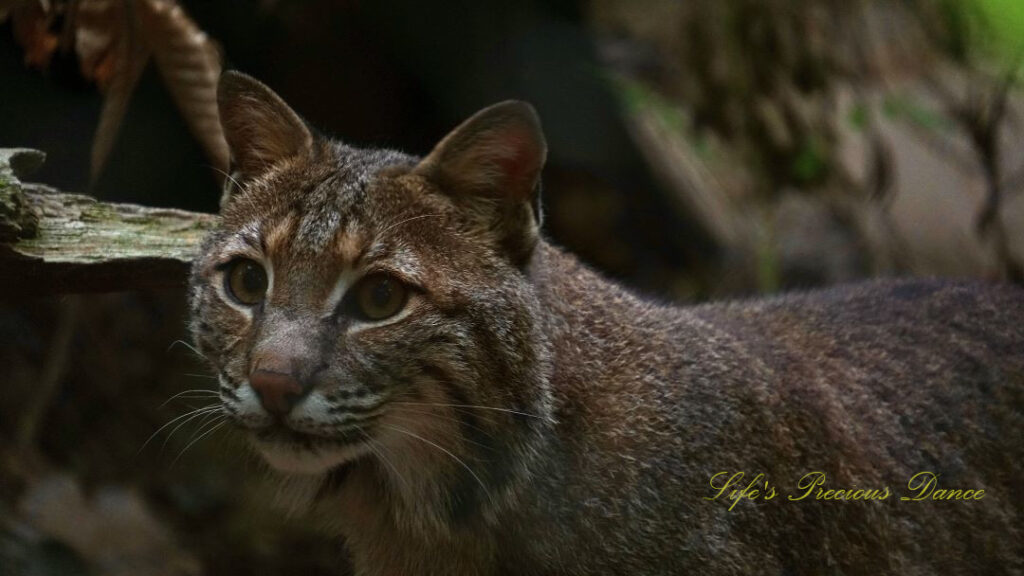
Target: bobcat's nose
{"type": "Point", "coordinates": [276, 385]}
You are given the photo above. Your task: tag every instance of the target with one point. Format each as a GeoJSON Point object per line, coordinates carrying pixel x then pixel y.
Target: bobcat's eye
{"type": "Point", "coordinates": [246, 281]}
{"type": "Point", "coordinates": [379, 296]}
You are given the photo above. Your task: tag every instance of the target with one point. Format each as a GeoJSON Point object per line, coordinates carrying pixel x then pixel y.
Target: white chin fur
{"type": "Point", "coordinates": [286, 458]}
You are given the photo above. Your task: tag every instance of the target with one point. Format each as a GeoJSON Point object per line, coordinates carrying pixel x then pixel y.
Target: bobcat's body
{"type": "Point", "coordinates": [870, 384]}
{"type": "Point", "coordinates": [522, 415]}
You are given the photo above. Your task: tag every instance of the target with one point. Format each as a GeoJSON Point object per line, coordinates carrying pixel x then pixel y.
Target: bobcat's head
{"type": "Point", "coordinates": [369, 307]}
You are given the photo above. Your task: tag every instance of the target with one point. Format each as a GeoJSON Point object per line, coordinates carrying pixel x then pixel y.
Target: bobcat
{"type": "Point", "coordinates": [467, 398]}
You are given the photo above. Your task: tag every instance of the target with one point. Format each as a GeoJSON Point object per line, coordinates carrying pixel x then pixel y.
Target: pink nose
{"type": "Point", "coordinates": [278, 392]}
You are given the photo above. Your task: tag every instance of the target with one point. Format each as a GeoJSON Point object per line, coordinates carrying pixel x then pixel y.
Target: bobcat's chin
{"type": "Point", "coordinates": [300, 457]}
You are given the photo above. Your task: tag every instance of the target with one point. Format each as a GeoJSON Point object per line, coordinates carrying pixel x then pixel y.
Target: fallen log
{"type": "Point", "coordinates": [57, 243]}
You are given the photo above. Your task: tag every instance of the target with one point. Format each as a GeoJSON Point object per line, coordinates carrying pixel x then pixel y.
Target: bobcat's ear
{"type": "Point", "coordinates": [493, 161]}
{"type": "Point", "coordinates": [261, 130]}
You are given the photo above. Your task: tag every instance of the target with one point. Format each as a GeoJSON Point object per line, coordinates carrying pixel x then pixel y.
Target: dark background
{"type": "Point", "coordinates": [377, 74]}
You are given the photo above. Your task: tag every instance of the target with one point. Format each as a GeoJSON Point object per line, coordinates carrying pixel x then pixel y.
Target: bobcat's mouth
{"type": "Point", "coordinates": [281, 433]}
{"type": "Point", "coordinates": [300, 443]}
{"type": "Point", "coordinates": [289, 450]}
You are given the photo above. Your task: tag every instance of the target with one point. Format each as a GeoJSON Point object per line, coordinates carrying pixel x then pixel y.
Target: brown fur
{"type": "Point", "coordinates": [535, 418]}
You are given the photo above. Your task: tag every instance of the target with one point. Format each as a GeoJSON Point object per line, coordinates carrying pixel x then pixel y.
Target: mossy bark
{"type": "Point", "coordinates": [52, 242]}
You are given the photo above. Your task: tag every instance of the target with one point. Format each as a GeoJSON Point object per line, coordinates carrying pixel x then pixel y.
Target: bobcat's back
{"type": "Point", "coordinates": [869, 384]}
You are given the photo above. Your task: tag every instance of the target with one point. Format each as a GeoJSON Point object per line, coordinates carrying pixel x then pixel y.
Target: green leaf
{"type": "Point", "coordinates": [1006, 18]}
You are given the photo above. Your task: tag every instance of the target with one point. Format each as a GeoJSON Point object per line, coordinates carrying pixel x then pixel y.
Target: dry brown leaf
{"type": "Point", "coordinates": [114, 40]}
{"type": "Point", "coordinates": [31, 23]}
{"type": "Point", "coordinates": [129, 60]}
{"type": "Point", "coordinates": [190, 64]}
{"type": "Point", "coordinates": [99, 25]}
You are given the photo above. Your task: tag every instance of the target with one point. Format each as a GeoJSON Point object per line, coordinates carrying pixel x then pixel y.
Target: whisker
{"type": "Point", "coordinates": [205, 376]}
{"type": "Point", "coordinates": [467, 440]}
{"type": "Point", "coordinates": [195, 395]}
{"type": "Point", "coordinates": [206, 420]}
{"type": "Point", "coordinates": [186, 345]}
{"type": "Point", "coordinates": [230, 178]}
{"type": "Point", "coordinates": [203, 419]}
{"type": "Point", "coordinates": [484, 417]}
{"type": "Point", "coordinates": [450, 419]}
{"type": "Point", "coordinates": [192, 394]}
{"type": "Point", "coordinates": [190, 413]}
{"type": "Point", "coordinates": [216, 427]}
{"type": "Point", "coordinates": [445, 416]}
{"type": "Point", "coordinates": [370, 442]}
{"type": "Point", "coordinates": [475, 407]}
{"type": "Point", "coordinates": [446, 451]}
{"type": "Point", "coordinates": [400, 222]}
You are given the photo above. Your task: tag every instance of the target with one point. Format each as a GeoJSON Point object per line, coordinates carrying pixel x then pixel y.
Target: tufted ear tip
{"type": "Point", "coordinates": [231, 81]}
{"type": "Point", "coordinates": [233, 84]}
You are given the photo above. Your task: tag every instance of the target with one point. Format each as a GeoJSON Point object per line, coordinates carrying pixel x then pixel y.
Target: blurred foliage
{"type": "Point", "coordinates": [1007, 24]}
{"type": "Point", "coordinates": [783, 87]}
{"type": "Point", "coordinates": [903, 107]}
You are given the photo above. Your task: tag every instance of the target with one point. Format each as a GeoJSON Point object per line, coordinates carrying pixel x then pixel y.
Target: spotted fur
{"type": "Point", "coordinates": [523, 415]}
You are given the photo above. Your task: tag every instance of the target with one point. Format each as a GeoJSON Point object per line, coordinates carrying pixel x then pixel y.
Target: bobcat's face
{"type": "Point", "coordinates": [364, 305]}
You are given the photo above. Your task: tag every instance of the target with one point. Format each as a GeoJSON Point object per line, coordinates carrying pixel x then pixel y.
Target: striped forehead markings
{"type": "Point", "coordinates": [341, 194]}
{"type": "Point", "coordinates": [278, 237]}
{"type": "Point", "coordinates": [351, 246]}
{"type": "Point", "coordinates": [317, 229]}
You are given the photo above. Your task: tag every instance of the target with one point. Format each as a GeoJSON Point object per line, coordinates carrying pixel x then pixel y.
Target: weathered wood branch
{"type": "Point", "coordinates": [52, 242]}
